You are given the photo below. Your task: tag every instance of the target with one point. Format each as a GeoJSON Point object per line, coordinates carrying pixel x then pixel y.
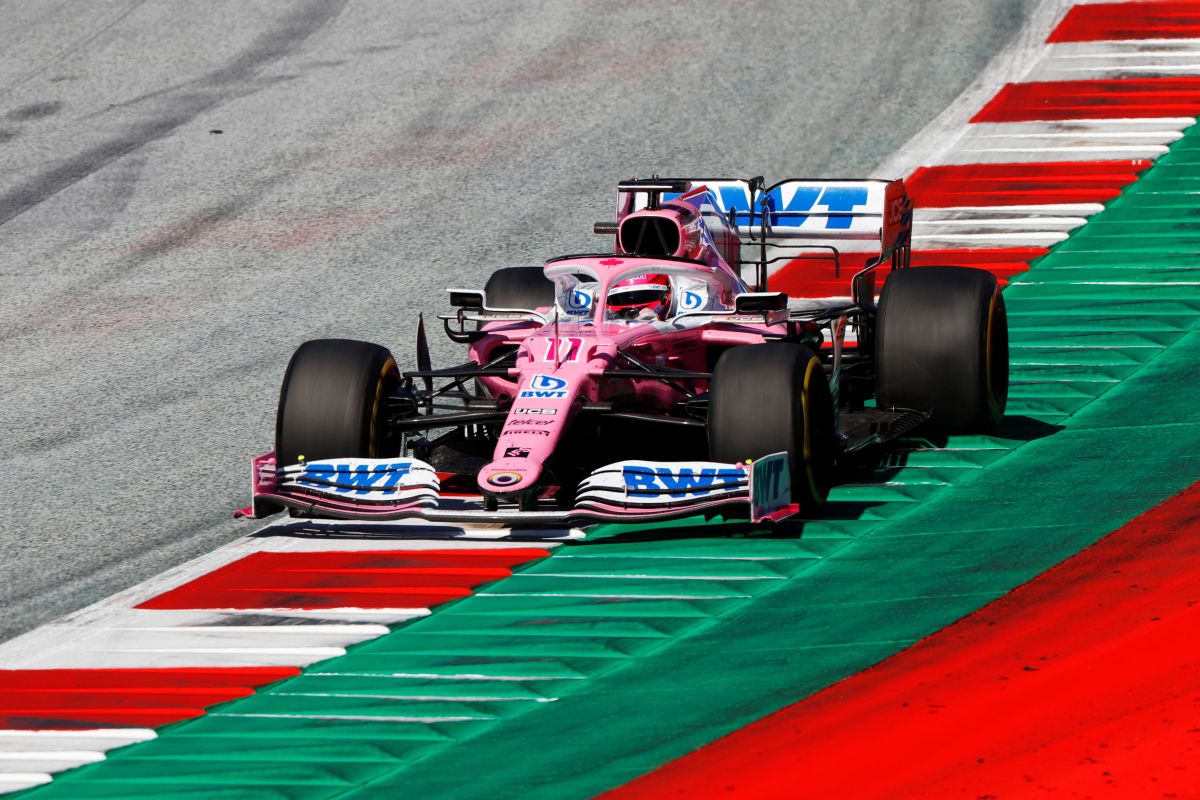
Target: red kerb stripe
{"type": "Point", "coordinates": [1021, 184]}
{"type": "Point", "coordinates": [1116, 98]}
{"type": "Point", "coordinates": [360, 579]}
{"type": "Point", "coordinates": [67, 699]}
{"type": "Point", "coordinates": [1107, 21]}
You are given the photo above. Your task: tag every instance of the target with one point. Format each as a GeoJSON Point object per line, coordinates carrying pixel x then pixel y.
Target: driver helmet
{"type": "Point", "coordinates": [641, 297]}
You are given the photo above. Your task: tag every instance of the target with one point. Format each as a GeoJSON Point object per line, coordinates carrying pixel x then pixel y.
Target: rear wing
{"type": "Point", "coordinates": [796, 214]}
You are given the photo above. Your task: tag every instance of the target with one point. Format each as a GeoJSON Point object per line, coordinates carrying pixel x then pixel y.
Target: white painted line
{"type": "Point", "coordinates": [1077, 210]}
{"type": "Point", "coordinates": [971, 153]}
{"type": "Point", "coordinates": [1063, 152]}
{"type": "Point", "coordinates": [81, 756]}
{"type": "Point", "coordinates": [252, 631]}
{"type": "Point", "coordinates": [151, 657]}
{"type": "Point", "coordinates": [1060, 73]}
{"type": "Point", "coordinates": [1154, 126]}
{"type": "Point", "coordinates": [1183, 122]}
{"type": "Point", "coordinates": [1039, 239]}
{"type": "Point", "coordinates": [15, 781]}
{"type": "Point", "coordinates": [999, 132]}
{"type": "Point", "coordinates": [171, 647]}
{"type": "Point", "coordinates": [1059, 223]}
{"type": "Point", "coordinates": [1122, 47]}
{"type": "Point", "coordinates": [20, 763]}
{"type": "Point", "coordinates": [94, 738]}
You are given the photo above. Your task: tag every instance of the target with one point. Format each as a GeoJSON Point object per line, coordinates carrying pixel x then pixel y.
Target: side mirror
{"type": "Point", "coordinates": [759, 302]}
{"type": "Point", "coordinates": [467, 298]}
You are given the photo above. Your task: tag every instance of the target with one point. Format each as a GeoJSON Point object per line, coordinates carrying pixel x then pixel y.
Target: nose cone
{"type": "Point", "coordinates": [509, 475]}
{"type": "Point", "coordinates": [540, 412]}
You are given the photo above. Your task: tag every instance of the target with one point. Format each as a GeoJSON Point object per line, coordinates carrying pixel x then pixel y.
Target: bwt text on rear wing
{"type": "Point", "coordinates": [796, 214]}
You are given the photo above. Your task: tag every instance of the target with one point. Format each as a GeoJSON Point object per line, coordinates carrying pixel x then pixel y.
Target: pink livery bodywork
{"type": "Point", "coordinates": [578, 355]}
{"type": "Point", "coordinates": [559, 364]}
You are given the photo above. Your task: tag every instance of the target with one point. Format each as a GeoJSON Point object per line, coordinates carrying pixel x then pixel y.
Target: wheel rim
{"type": "Point", "coordinates": [814, 490]}
{"type": "Point", "coordinates": [996, 355]}
{"type": "Point", "coordinates": [389, 367]}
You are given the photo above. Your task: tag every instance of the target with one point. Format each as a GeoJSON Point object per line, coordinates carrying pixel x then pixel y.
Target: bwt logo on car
{"type": "Point", "coordinates": [579, 301]}
{"type": "Point", "coordinates": [354, 479]}
{"type": "Point", "coordinates": [773, 477]}
{"type": "Point", "coordinates": [808, 198]}
{"type": "Point", "coordinates": [684, 480]}
{"type": "Point", "coordinates": [546, 387]}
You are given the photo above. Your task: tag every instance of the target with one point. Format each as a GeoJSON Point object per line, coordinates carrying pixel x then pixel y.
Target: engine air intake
{"type": "Point", "coordinates": [649, 236]}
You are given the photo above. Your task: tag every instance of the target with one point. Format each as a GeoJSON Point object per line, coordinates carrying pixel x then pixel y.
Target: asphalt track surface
{"type": "Point", "coordinates": [190, 190]}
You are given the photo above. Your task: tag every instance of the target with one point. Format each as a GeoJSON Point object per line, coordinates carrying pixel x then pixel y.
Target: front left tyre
{"type": "Point", "coordinates": [332, 402]}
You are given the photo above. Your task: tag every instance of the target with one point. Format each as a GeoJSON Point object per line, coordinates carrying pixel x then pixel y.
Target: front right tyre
{"type": "Point", "coordinates": [768, 398]}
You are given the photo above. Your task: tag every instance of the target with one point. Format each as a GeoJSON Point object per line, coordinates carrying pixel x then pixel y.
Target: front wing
{"type": "Point", "coordinates": [399, 488]}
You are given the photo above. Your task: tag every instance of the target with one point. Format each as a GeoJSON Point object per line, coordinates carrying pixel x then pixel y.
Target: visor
{"type": "Point", "coordinates": [642, 295]}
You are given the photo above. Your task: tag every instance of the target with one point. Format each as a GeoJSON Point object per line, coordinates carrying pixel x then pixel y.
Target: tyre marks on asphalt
{"type": "Point", "coordinates": [179, 106]}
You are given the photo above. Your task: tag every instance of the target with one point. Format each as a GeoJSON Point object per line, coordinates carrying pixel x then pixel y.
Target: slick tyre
{"type": "Point", "coordinates": [942, 346]}
{"type": "Point", "coordinates": [331, 404]}
{"type": "Point", "coordinates": [519, 287]}
{"type": "Point", "coordinates": [769, 398]}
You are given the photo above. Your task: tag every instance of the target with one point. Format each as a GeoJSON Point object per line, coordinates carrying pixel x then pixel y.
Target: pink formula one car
{"type": "Point", "coordinates": [651, 381]}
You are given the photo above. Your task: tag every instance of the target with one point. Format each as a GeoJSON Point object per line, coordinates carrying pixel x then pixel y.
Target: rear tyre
{"type": "Point", "coordinates": [942, 346]}
{"type": "Point", "coordinates": [519, 287]}
{"type": "Point", "coordinates": [332, 400]}
{"type": "Point", "coordinates": [768, 398]}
